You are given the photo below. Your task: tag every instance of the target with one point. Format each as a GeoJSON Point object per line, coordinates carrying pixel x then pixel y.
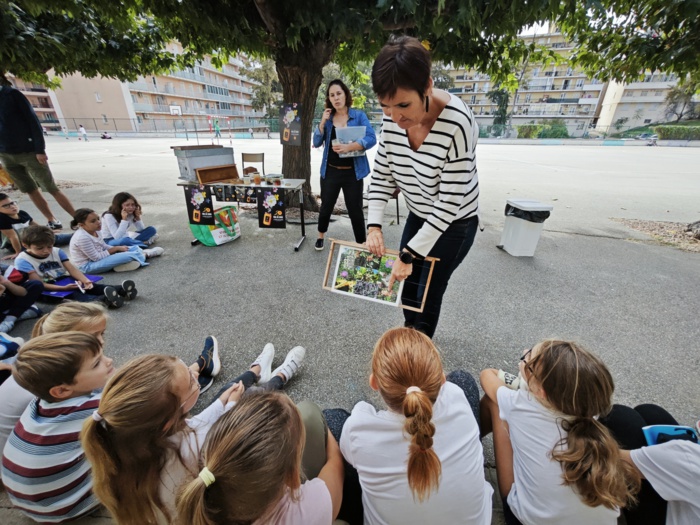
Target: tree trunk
{"type": "Point", "coordinates": [300, 73]}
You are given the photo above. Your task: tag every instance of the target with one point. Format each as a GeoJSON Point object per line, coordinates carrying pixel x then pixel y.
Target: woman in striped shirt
{"type": "Point", "coordinates": [426, 149]}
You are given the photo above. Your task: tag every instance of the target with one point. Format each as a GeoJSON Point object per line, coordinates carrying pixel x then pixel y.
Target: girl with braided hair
{"type": "Point", "coordinates": [421, 460]}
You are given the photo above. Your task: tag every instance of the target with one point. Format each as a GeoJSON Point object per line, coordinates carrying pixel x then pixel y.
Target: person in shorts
{"type": "Point", "coordinates": [23, 154]}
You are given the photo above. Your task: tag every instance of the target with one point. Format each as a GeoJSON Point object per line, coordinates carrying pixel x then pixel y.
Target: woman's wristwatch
{"type": "Point", "coordinates": [406, 257]}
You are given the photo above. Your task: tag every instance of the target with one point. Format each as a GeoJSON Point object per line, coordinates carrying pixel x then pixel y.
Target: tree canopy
{"type": "Point", "coordinates": [94, 38]}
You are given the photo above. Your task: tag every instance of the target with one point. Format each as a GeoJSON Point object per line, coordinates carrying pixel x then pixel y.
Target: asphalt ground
{"type": "Point", "coordinates": [632, 301]}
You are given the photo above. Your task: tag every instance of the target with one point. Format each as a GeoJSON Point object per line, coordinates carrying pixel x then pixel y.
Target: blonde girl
{"type": "Point", "coordinates": [556, 462]}
{"type": "Point", "coordinates": [142, 444]}
{"type": "Point", "coordinates": [253, 462]}
{"type": "Point", "coordinates": [90, 318]}
{"type": "Point", "coordinates": [421, 460]}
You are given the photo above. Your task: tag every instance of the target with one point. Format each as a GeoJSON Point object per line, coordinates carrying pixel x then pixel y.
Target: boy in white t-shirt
{"type": "Point", "coordinates": [43, 262]}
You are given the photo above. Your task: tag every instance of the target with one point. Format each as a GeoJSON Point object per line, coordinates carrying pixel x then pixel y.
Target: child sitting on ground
{"type": "Point", "coordinates": [421, 460]}
{"type": "Point", "coordinates": [13, 221]}
{"type": "Point", "coordinates": [17, 301]}
{"type": "Point", "coordinates": [90, 318]}
{"type": "Point", "coordinates": [43, 262]}
{"type": "Point", "coordinates": [122, 215]}
{"type": "Point", "coordinates": [254, 459]}
{"type": "Point", "coordinates": [44, 468]}
{"type": "Point", "coordinates": [556, 463]}
{"type": "Point", "coordinates": [92, 255]}
{"type": "Point", "coordinates": [142, 444]}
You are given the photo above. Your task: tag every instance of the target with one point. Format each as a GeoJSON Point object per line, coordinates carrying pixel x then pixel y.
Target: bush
{"type": "Point", "coordinates": [678, 132]}
{"type": "Point", "coordinates": [529, 131]}
{"type": "Point", "coordinates": [557, 131]}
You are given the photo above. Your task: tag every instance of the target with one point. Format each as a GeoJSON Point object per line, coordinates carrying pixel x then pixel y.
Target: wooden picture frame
{"type": "Point", "coordinates": [378, 293]}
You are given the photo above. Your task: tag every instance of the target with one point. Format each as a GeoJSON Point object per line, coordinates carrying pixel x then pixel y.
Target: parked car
{"type": "Point", "coordinates": [647, 136]}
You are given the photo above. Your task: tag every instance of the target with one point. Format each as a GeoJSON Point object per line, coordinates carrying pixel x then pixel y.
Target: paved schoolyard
{"type": "Point", "coordinates": [592, 279]}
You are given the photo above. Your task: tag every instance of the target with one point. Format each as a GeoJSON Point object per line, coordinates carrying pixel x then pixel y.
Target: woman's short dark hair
{"type": "Point", "coordinates": [402, 63]}
{"type": "Point", "coordinates": [348, 95]}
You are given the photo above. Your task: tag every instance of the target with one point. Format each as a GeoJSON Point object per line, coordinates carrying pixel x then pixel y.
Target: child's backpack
{"type": "Point", "coordinates": [225, 230]}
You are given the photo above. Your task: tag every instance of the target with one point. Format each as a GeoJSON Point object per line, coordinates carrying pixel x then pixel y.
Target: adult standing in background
{"type": "Point", "coordinates": [83, 132]}
{"type": "Point", "coordinates": [23, 154]}
{"type": "Point", "coordinates": [337, 172]}
{"type": "Point", "coordinates": [426, 149]}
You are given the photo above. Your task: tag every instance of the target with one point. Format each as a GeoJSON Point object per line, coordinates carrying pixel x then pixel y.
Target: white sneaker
{"type": "Point", "coordinates": [153, 252]}
{"type": "Point", "coordinates": [291, 363]}
{"type": "Point", "coordinates": [264, 361]}
{"type": "Point", "coordinates": [127, 267]}
{"type": "Point", "coordinates": [152, 240]}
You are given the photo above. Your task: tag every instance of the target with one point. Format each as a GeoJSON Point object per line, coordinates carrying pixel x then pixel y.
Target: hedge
{"type": "Point", "coordinates": [678, 132]}
{"type": "Point", "coordinates": [543, 131]}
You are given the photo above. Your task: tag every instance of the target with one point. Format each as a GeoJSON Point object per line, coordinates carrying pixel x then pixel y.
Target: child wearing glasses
{"type": "Point", "coordinates": [142, 442]}
{"type": "Point", "coordinates": [13, 221]}
{"type": "Point", "coordinates": [556, 463]}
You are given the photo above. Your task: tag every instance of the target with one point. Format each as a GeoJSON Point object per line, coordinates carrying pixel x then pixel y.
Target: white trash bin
{"type": "Point", "coordinates": [520, 236]}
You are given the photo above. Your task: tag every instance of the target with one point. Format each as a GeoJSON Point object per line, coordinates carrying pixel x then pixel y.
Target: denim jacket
{"type": "Point", "coordinates": [355, 118]}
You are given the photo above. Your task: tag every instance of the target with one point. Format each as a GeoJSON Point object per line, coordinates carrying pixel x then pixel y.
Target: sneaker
{"type": "Point", "coordinates": [153, 252]}
{"type": "Point", "coordinates": [130, 291]}
{"type": "Point", "coordinates": [7, 326]}
{"type": "Point", "coordinates": [9, 346]}
{"type": "Point", "coordinates": [127, 267]}
{"type": "Point", "coordinates": [291, 363]}
{"type": "Point", "coordinates": [319, 245]}
{"type": "Point", "coordinates": [205, 383]}
{"type": "Point", "coordinates": [152, 240]}
{"type": "Point", "coordinates": [264, 361]}
{"type": "Point", "coordinates": [209, 361]}
{"type": "Point", "coordinates": [55, 225]}
{"type": "Point", "coordinates": [112, 298]}
{"type": "Point", "coordinates": [31, 313]}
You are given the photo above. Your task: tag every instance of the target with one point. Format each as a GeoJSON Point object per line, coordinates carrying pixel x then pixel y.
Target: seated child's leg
{"type": "Point", "coordinates": [108, 263]}
{"type": "Point", "coordinates": [655, 415]}
{"type": "Point", "coordinates": [247, 377]}
{"type": "Point", "coordinates": [314, 456]}
{"type": "Point", "coordinates": [124, 241]}
{"type": "Point", "coordinates": [109, 295]}
{"type": "Point", "coordinates": [145, 234]}
{"type": "Point", "coordinates": [62, 239]}
{"type": "Point", "coordinates": [467, 383]}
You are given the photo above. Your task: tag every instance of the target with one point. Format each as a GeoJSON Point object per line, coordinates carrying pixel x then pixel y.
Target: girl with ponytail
{"type": "Point", "coordinates": [556, 463]}
{"type": "Point", "coordinates": [421, 460]}
{"type": "Point", "coordinates": [253, 463]}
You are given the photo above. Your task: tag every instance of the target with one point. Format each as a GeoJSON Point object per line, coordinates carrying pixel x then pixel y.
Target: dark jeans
{"type": "Point", "coordinates": [626, 424]}
{"type": "Point", "coordinates": [351, 509]}
{"type": "Point", "coordinates": [17, 304]}
{"type": "Point", "coordinates": [331, 184]}
{"type": "Point", "coordinates": [451, 248]}
{"type": "Point", "coordinates": [96, 293]}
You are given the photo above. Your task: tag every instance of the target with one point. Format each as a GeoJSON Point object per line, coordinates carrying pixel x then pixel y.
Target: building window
{"type": "Point", "coordinates": [572, 110]}
{"type": "Point", "coordinates": [628, 93]}
{"type": "Point", "coordinates": [579, 83]}
{"type": "Point", "coordinates": [105, 120]}
{"type": "Point", "coordinates": [528, 97]}
{"type": "Point", "coordinates": [647, 121]}
{"type": "Point", "coordinates": [644, 93]}
{"type": "Point", "coordinates": [581, 125]}
{"type": "Point", "coordinates": [133, 98]}
{"type": "Point", "coordinates": [138, 119]}
{"type": "Point", "coordinates": [98, 97]}
{"type": "Point", "coordinates": [472, 100]}
{"type": "Point", "coordinates": [657, 93]}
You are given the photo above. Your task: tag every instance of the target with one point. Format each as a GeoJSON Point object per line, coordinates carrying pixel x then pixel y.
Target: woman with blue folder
{"type": "Point", "coordinates": [338, 170]}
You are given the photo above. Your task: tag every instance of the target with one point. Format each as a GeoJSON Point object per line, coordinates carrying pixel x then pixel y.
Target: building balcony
{"type": "Point", "coordinates": [652, 85]}
{"type": "Point", "coordinates": [593, 101]}
{"type": "Point", "coordinates": [592, 87]}
{"type": "Point", "coordinates": [562, 100]}
{"type": "Point", "coordinates": [187, 75]}
{"type": "Point", "coordinates": [638, 99]}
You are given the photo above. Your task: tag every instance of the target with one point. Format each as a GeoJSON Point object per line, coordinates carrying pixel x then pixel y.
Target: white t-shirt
{"type": "Point", "coordinates": [375, 444]}
{"type": "Point", "coordinates": [538, 495]}
{"type": "Point", "coordinates": [50, 266]}
{"type": "Point", "coordinates": [673, 469]}
{"type": "Point", "coordinates": [314, 507]}
{"type": "Point", "coordinates": [175, 473]}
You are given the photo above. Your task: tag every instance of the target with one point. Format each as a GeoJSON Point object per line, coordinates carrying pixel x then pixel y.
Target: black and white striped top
{"type": "Point", "coordinates": [439, 181]}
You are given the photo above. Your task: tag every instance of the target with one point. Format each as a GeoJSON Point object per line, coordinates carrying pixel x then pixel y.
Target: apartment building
{"type": "Point", "coordinates": [637, 103]}
{"type": "Point", "coordinates": [546, 92]}
{"type": "Point", "coordinates": [559, 91]}
{"type": "Point", "coordinates": [39, 97]}
{"type": "Point", "coordinates": [194, 99]}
